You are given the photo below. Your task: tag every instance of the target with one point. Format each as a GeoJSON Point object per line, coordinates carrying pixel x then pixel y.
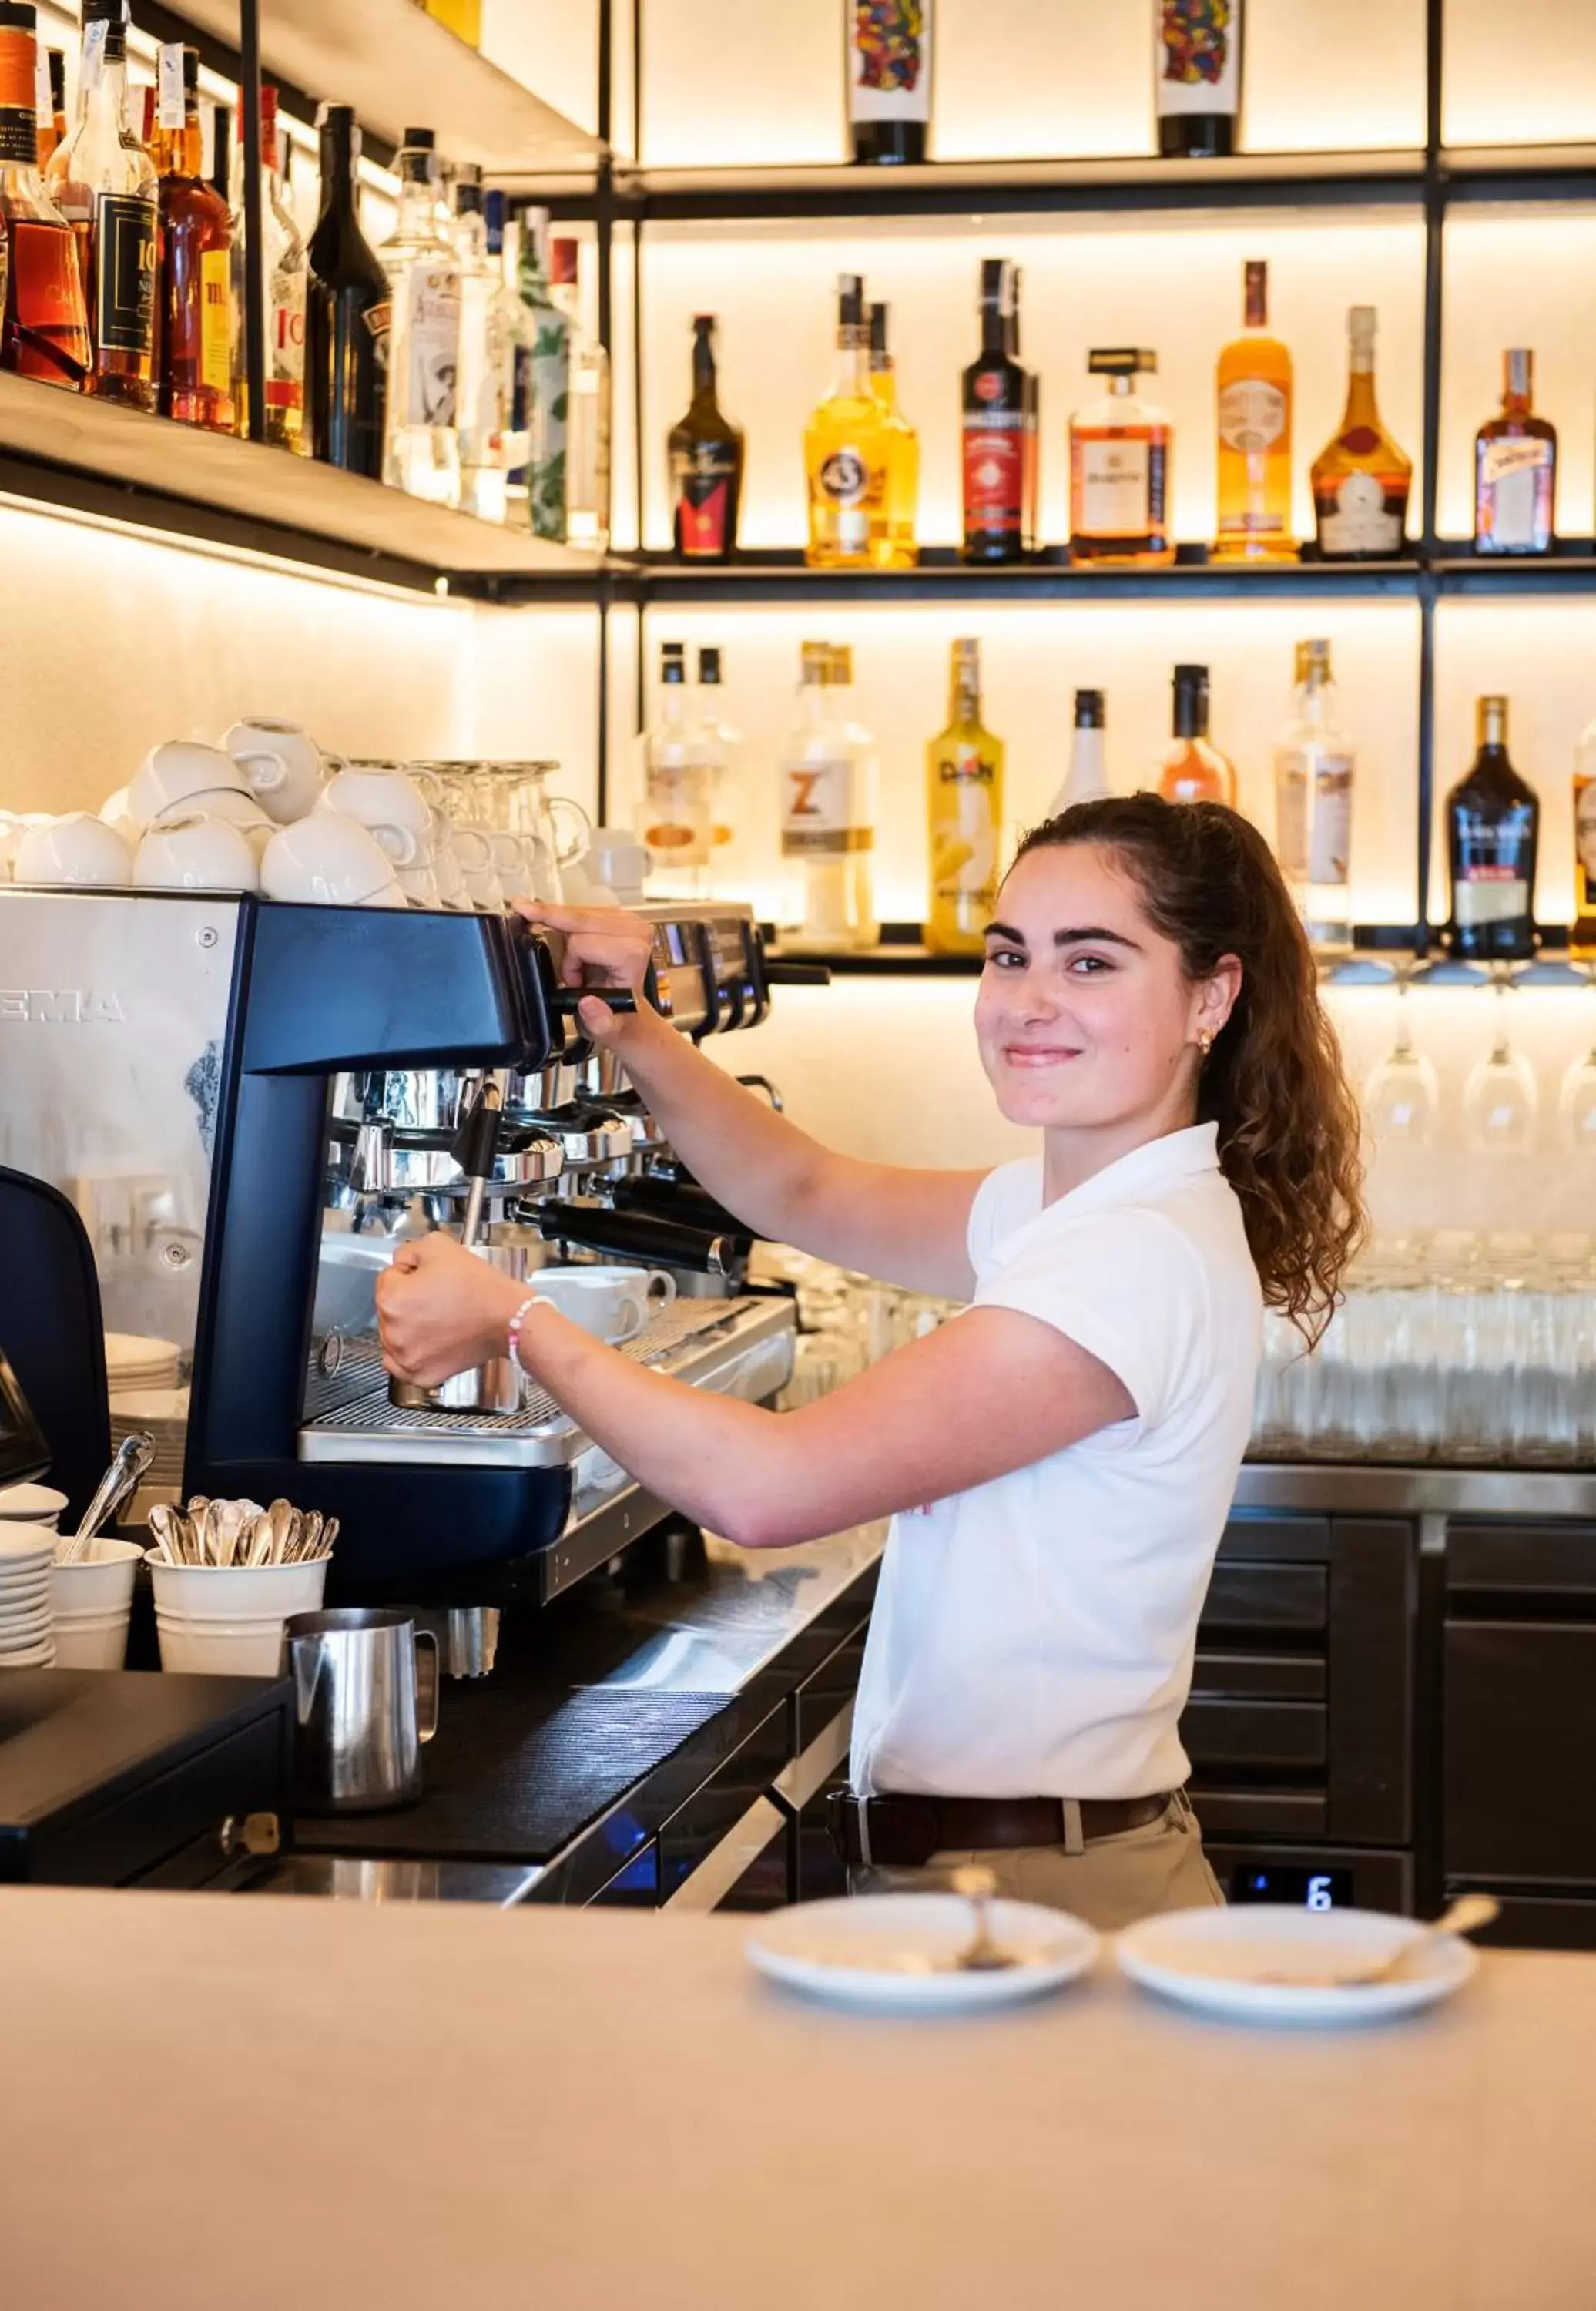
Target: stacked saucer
{"type": "Point", "coordinates": [163, 1413]}
{"type": "Point", "coordinates": [27, 1619]}
{"type": "Point", "coordinates": [131, 1361]}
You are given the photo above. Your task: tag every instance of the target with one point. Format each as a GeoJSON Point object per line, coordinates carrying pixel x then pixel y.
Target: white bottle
{"type": "Point", "coordinates": [587, 424]}
{"type": "Point", "coordinates": [717, 745]}
{"type": "Point", "coordinates": [422, 453]}
{"type": "Point", "coordinates": [674, 821]}
{"type": "Point", "coordinates": [1315, 763]}
{"type": "Point", "coordinates": [490, 315]}
{"type": "Point", "coordinates": [1086, 778]}
{"type": "Point", "coordinates": [828, 813]}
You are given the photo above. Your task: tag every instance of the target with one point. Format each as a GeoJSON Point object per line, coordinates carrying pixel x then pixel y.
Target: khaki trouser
{"type": "Point", "coordinates": [1111, 1883]}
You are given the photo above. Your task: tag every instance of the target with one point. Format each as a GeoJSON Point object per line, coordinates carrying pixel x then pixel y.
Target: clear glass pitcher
{"type": "Point", "coordinates": [514, 799]}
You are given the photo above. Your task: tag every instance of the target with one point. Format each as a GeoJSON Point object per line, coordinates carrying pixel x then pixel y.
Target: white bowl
{"type": "Point", "coordinates": [76, 851]}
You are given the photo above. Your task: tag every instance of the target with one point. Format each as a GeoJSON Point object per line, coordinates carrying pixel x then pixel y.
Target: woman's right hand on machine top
{"type": "Point", "coordinates": [601, 947]}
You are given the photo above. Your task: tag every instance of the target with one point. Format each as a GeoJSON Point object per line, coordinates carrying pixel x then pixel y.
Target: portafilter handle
{"type": "Point", "coordinates": [634, 1236]}
{"type": "Point", "coordinates": [475, 1149]}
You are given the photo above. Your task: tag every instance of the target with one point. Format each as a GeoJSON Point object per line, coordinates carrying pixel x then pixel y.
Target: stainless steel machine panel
{"type": "Point", "coordinates": [113, 1009]}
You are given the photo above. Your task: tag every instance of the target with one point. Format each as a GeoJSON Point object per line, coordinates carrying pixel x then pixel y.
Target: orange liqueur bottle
{"type": "Point", "coordinates": [1361, 479]}
{"type": "Point", "coordinates": [46, 330]}
{"type": "Point", "coordinates": [1194, 769]}
{"type": "Point", "coordinates": [196, 233]}
{"type": "Point", "coordinates": [1254, 449]}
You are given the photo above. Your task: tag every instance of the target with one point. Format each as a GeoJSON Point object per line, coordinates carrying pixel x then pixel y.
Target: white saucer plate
{"type": "Point", "coordinates": [39, 1656]}
{"type": "Point", "coordinates": [1268, 1962]}
{"type": "Point", "coordinates": [898, 1952]}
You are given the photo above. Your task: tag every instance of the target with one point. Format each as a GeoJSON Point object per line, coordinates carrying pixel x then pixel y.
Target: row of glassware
{"type": "Point", "coordinates": [1453, 1349]}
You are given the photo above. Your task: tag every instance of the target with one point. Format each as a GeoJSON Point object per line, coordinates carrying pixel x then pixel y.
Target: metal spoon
{"type": "Point", "coordinates": [980, 1954]}
{"type": "Point", "coordinates": [1466, 1915]}
{"type": "Point", "coordinates": [133, 1456]}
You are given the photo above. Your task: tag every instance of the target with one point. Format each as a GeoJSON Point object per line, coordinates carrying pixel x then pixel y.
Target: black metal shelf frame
{"type": "Point", "coordinates": [1432, 179]}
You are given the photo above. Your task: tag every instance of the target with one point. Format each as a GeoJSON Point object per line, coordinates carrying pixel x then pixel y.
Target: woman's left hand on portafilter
{"type": "Point", "coordinates": [441, 1311]}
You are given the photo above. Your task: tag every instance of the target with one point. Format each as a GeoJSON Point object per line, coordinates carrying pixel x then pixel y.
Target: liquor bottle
{"type": "Point", "coordinates": [1194, 769]}
{"type": "Point", "coordinates": [965, 814]}
{"type": "Point", "coordinates": [1197, 77]}
{"type": "Point", "coordinates": [892, 543]}
{"type": "Point", "coordinates": [1314, 764]}
{"type": "Point", "coordinates": [1087, 778]}
{"type": "Point", "coordinates": [1030, 439]}
{"type": "Point", "coordinates": [49, 103]}
{"type": "Point", "coordinates": [1582, 939]}
{"type": "Point", "coordinates": [286, 279]}
{"type": "Point", "coordinates": [1254, 395]}
{"type": "Point", "coordinates": [348, 309]}
{"type": "Point", "coordinates": [717, 744]}
{"type": "Point", "coordinates": [587, 419]}
{"type": "Point", "coordinates": [674, 822]}
{"type": "Point", "coordinates": [103, 182]}
{"type": "Point", "coordinates": [548, 375]}
{"type": "Point", "coordinates": [828, 779]}
{"type": "Point", "coordinates": [45, 333]}
{"type": "Point", "coordinates": [1493, 831]}
{"type": "Point", "coordinates": [422, 455]}
{"type": "Point", "coordinates": [1361, 479]}
{"type": "Point", "coordinates": [1119, 452]}
{"type": "Point", "coordinates": [995, 428]}
{"type": "Point", "coordinates": [196, 307]}
{"type": "Point", "coordinates": [1515, 469]}
{"type": "Point", "coordinates": [705, 453]}
{"type": "Point", "coordinates": [845, 448]}
{"type": "Point", "coordinates": [490, 322]}
{"type": "Point", "coordinates": [888, 62]}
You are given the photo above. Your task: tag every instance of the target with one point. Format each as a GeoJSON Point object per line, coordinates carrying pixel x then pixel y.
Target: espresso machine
{"type": "Point", "coordinates": [250, 1103]}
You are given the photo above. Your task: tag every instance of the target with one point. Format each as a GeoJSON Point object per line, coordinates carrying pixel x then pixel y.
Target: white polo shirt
{"type": "Point", "coordinates": [1034, 1636]}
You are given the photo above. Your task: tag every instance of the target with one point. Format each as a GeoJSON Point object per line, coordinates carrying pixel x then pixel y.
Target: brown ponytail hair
{"type": "Point", "coordinates": [1273, 1083]}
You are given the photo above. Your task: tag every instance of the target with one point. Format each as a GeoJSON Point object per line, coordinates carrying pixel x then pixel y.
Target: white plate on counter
{"type": "Point", "coordinates": [1268, 1962]}
{"type": "Point", "coordinates": [899, 1952]}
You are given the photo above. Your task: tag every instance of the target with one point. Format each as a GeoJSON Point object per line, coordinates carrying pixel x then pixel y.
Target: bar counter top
{"type": "Point", "coordinates": [211, 2102]}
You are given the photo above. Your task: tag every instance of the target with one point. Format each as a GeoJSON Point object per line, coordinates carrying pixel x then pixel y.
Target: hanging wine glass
{"type": "Point", "coordinates": [1576, 1103]}
{"type": "Point", "coordinates": [1501, 1101]}
{"type": "Point", "coordinates": [1402, 1096]}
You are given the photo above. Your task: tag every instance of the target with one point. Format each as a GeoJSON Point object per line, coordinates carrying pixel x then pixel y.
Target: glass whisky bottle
{"type": "Point", "coordinates": [1314, 766]}
{"type": "Point", "coordinates": [1193, 770]}
{"type": "Point", "coordinates": [197, 293]}
{"type": "Point", "coordinates": [1515, 469]}
{"type": "Point", "coordinates": [1253, 389]}
{"type": "Point", "coordinates": [846, 448]}
{"type": "Point", "coordinates": [45, 333]}
{"type": "Point", "coordinates": [103, 182]}
{"type": "Point", "coordinates": [1361, 479]}
{"type": "Point", "coordinates": [1120, 458]}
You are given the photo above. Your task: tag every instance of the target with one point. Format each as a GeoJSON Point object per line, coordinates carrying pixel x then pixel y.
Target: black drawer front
{"type": "Point", "coordinates": [1265, 1596]}
{"type": "Point", "coordinates": [1528, 1559]}
{"type": "Point", "coordinates": [115, 1844]}
{"type": "Point", "coordinates": [1292, 1539]}
{"type": "Point", "coordinates": [1256, 1735]}
{"type": "Point", "coordinates": [1265, 1677]}
{"type": "Point", "coordinates": [831, 1687]}
{"type": "Point", "coordinates": [1226, 1812]}
{"type": "Point", "coordinates": [1519, 1743]}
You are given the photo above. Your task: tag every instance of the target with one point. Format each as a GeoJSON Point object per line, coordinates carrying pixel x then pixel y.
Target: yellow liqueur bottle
{"type": "Point", "coordinates": [1254, 394]}
{"type": "Point", "coordinates": [965, 814]}
{"type": "Point", "coordinates": [892, 543]}
{"type": "Point", "coordinates": [847, 449]}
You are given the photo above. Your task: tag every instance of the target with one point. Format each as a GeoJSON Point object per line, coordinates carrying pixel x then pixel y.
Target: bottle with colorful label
{"type": "Point", "coordinates": [887, 56]}
{"type": "Point", "coordinates": [197, 289]}
{"type": "Point", "coordinates": [1253, 389]}
{"type": "Point", "coordinates": [847, 449]}
{"type": "Point", "coordinates": [1197, 49]}
{"type": "Point", "coordinates": [1314, 765]}
{"type": "Point", "coordinates": [1492, 837]}
{"type": "Point", "coordinates": [103, 182]}
{"type": "Point", "coordinates": [549, 382]}
{"type": "Point", "coordinates": [705, 457]}
{"type": "Point", "coordinates": [997, 431]}
{"type": "Point", "coordinates": [1515, 469]}
{"type": "Point", "coordinates": [963, 815]}
{"type": "Point", "coordinates": [1361, 479]}
{"type": "Point", "coordinates": [1120, 460]}
{"type": "Point", "coordinates": [46, 330]}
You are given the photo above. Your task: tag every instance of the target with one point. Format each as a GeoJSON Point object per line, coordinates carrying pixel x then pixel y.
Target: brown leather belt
{"type": "Point", "coordinates": [902, 1832]}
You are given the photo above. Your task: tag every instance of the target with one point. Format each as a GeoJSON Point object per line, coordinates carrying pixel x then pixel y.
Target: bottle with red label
{"type": "Point", "coordinates": [999, 429]}
{"type": "Point", "coordinates": [705, 450]}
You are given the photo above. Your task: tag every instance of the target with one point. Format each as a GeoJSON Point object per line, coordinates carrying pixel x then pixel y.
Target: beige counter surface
{"type": "Point", "coordinates": [241, 2103]}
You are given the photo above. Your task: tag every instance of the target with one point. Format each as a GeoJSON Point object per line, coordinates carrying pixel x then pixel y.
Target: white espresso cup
{"type": "Point", "coordinates": [239, 810]}
{"type": "Point", "coordinates": [175, 773]}
{"type": "Point", "coordinates": [389, 805]}
{"type": "Point", "coordinates": [282, 765]}
{"type": "Point", "coordinates": [197, 853]}
{"type": "Point", "coordinates": [329, 861]}
{"type": "Point", "coordinates": [613, 1303]}
{"type": "Point", "coordinates": [78, 851]}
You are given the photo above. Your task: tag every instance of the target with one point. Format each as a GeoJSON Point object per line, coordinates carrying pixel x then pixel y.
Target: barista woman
{"type": "Point", "coordinates": [1058, 1461]}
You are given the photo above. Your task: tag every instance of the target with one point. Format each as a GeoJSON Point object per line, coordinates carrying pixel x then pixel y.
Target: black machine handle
{"type": "Point", "coordinates": [685, 1201]}
{"type": "Point", "coordinates": [797, 974]}
{"type": "Point", "coordinates": [638, 1234]}
{"type": "Point", "coordinates": [564, 1002]}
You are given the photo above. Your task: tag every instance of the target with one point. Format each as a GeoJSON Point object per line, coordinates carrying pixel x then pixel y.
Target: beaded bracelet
{"type": "Point", "coordinates": [533, 1300]}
